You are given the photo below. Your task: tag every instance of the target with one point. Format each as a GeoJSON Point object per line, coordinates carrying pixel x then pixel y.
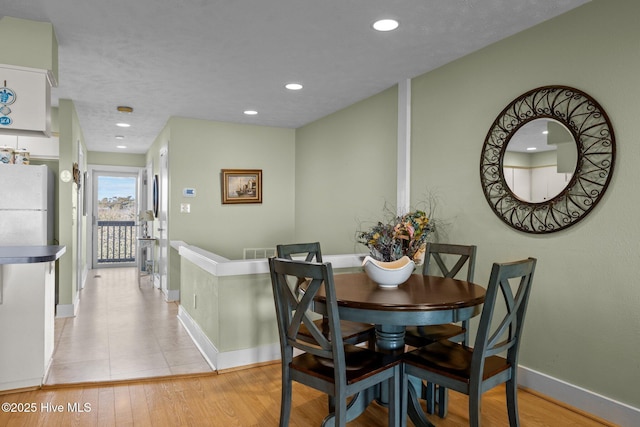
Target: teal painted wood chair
{"type": "Point", "coordinates": [450, 260]}
{"type": "Point", "coordinates": [473, 371]}
{"type": "Point", "coordinates": [352, 332]}
{"type": "Point", "coordinates": [327, 364]}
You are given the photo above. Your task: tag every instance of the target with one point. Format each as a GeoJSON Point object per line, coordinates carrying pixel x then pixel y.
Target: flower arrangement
{"type": "Point", "coordinates": [402, 235]}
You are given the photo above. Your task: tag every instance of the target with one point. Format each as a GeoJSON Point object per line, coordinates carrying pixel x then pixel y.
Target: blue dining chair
{"type": "Point", "coordinates": [352, 332]}
{"type": "Point", "coordinates": [327, 364]}
{"type": "Point", "coordinates": [473, 371]}
{"type": "Point", "coordinates": [461, 255]}
{"type": "Point", "coordinates": [450, 260]}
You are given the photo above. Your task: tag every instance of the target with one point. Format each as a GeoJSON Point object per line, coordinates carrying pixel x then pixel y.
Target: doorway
{"type": "Point", "coordinates": [114, 212]}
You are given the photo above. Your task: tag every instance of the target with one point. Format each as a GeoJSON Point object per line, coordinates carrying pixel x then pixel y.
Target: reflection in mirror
{"type": "Point", "coordinates": [540, 160]}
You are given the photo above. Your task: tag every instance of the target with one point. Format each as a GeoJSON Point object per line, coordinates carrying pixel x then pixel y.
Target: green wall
{"type": "Point", "coordinates": [70, 136]}
{"type": "Point", "coordinates": [235, 312]}
{"type": "Point", "coordinates": [29, 44]}
{"type": "Point", "coordinates": [198, 151]}
{"type": "Point", "coordinates": [116, 159]}
{"type": "Point", "coordinates": [583, 311]}
{"type": "Point", "coordinates": [346, 171]}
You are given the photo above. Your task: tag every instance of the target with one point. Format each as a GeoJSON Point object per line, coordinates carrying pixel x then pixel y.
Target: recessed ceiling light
{"type": "Point", "coordinates": [121, 146]}
{"type": "Point", "coordinates": [119, 137]}
{"type": "Point", "coordinates": [545, 132]}
{"type": "Point", "coordinates": [385, 25]}
{"type": "Point", "coordinates": [124, 109]}
{"type": "Point", "coordinates": [531, 148]}
{"type": "Point", "coordinates": [293, 86]}
{"type": "Point", "coordinates": [123, 125]}
{"type": "Point", "coordinates": [251, 112]}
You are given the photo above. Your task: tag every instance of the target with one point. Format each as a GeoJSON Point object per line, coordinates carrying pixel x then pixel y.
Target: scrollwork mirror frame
{"type": "Point", "coordinates": [595, 141]}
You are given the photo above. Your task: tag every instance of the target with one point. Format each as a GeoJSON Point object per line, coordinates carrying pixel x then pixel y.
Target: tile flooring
{"type": "Point", "coordinates": [122, 331]}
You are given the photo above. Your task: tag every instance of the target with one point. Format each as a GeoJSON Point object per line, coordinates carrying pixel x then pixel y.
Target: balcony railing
{"type": "Point", "coordinates": [116, 241]}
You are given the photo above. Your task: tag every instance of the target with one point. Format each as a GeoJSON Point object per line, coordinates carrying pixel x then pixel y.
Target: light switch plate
{"type": "Point", "coordinates": [185, 207]}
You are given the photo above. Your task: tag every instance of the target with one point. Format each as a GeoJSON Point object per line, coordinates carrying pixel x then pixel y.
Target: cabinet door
{"type": "Point", "coordinates": [45, 148]}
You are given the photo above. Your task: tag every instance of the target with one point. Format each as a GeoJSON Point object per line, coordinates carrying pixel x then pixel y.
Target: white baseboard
{"type": "Point", "coordinates": [206, 347]}
{"type": "Point", "coordinates": [17, 385]}
{"type": "Point", "coordinates": [585, 400]}
{"type": "Point", "coordinates": [230, 359]}
{"type": "Point", "coordinates": [65, 310]}
{"type": "Point", "coordinates": [249, 356]}
{"type": "Point", "coordinates": [172, 295]}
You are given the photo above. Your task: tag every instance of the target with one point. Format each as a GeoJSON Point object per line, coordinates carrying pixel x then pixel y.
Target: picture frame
{"type": "Point", "coordinates": [241, 186]}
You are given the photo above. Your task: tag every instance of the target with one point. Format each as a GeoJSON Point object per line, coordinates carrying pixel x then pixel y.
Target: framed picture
{"type": "Point", "coordinates": [241, 186]}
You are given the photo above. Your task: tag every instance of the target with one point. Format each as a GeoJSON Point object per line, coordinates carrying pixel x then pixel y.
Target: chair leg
{"type": "Point", "coordinates": [430, 397]}
{"type": "Point", "coordinates": [331, 403]}
{"type": "Point", "coordinates": [395, 397]}
{"type": "Point", "coordinates": [340, 410]}
{"type": "Point", "coordinates": [371, 343]}
{"type": "Point", "coordinates": [512, 403]}
{"type": "Point", "coordinates": [404, 397]}
{"type": "Point", "coordinates": [443, 401]}
{"type": "Point", "coordinates": [474, 407]}
{"type": "Point", "coordinates": [285, 402]}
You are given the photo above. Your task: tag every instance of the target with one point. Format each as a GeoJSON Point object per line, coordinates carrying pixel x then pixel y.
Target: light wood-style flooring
{"type": "Point", "coordinates": [249, 397]}
{"type": "Point", "coordinates": [121, 331]}
{"type": "Point", "coordinates": [129, 337]}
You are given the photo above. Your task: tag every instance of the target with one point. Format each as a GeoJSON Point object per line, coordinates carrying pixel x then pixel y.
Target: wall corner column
{"type": "Point", "coordinates": [404, 148]}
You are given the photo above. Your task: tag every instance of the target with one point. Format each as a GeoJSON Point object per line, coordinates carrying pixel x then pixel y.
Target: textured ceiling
{"type": "Point", "coordinates": [213, 59]}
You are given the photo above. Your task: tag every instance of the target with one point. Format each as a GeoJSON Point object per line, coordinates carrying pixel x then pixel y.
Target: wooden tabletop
{"type": "Point", "coordinates": [418, 293]}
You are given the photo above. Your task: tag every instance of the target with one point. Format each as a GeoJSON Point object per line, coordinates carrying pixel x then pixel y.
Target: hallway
{"type": "Point", "coordinates": [121, 332]}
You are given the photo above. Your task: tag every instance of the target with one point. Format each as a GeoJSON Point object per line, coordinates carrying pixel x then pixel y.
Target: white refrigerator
{"type": "Point", "coordinates": [27, 306]}
{"type": "Point", "coordinates": [26, 205]}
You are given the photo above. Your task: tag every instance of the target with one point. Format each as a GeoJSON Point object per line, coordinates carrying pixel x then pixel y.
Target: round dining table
{"type": "Point", "coordinates": [421, 300]}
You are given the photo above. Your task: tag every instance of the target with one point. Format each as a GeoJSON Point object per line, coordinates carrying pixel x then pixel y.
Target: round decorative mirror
{"type": "Point", "coordinates": [547, 159]}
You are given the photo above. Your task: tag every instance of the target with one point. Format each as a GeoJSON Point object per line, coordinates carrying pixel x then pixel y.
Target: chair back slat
{"type": "Point", "coordinates": [292, 311]}
{"type": "Point", "coordinates": [310, 251]}
{"type": "Point", "coordinates": [302, 311]}
{"type": "Point", "coordinates": [466, 255]}
{"type": "Point", "coordinates": [506, 332]}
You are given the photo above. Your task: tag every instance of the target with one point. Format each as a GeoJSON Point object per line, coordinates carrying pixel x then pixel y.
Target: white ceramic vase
{"type": "Point", "coordinates": [388, 274]}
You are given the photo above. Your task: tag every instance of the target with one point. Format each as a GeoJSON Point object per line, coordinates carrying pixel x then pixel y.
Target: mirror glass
{"type": "Point", "coordinates": [540, 160]}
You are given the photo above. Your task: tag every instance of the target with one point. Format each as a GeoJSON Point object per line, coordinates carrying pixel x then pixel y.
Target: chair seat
{"type": "Point", "coordinates": [453, 360]}
{"type": "Point", "coordinates": [360, 363]}
{"type": "Point", "coordinates": [418, 336]}
{"type": "Point", "coordinates": [352, 332]}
